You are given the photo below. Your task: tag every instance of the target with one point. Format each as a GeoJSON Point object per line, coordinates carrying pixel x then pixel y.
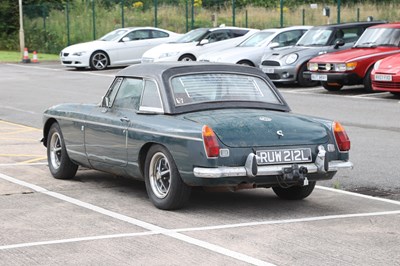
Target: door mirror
{"type": "Point", "coordinates": [126, 39]}
{"type": "Point", "coordinates": [339, 42]}
{"type": "Point", "coordinates": [204, 41]}
{"type": "Point", "coordinates": [105, 102]}
{"type": "Point", "coordinates": [274, 45]}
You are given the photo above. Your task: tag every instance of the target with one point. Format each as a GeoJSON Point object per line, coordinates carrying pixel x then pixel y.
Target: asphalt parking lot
{"type": "Point", "coordinates": [98, 219]}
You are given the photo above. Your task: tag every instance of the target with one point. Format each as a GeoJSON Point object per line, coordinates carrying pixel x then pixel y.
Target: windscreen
{"type": "Point", "coordinates": [315, 37]}
{"type": "Point", "coordinates": [201, 88]}
{"type": "Point", "coordinates": [114, 35]}
{"type": "Point", "coordinates": [379, 37]}
{"type": "Point", "coordinates": [192, 36]}
{"type": "Point", "coordinates": [258, 39]}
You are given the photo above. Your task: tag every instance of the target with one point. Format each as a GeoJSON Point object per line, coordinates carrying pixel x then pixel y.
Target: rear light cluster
{"type": "Point", "coordinates": [210, 142]}
{"type": "Point", "coordinates": [341, 137]}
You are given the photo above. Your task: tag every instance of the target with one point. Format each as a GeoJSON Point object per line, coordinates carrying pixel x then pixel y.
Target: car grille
{"type": "Point", "coordinates": [325, 66]}
{"type": "Point", "coordinates": [273, 76]}
{"type": "Point", "coordinates": [270, 63]}
{"type": "Point", "coordinates": [385, 84]}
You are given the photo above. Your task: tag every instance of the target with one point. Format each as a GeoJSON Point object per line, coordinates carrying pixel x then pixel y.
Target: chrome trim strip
{"type": "Point", "coordinates": [269, 170]}
{"type": "Point", "coordinates": [119, 127]}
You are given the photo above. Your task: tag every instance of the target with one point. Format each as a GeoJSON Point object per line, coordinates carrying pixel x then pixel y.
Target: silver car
{"type": "Point", "coordinates": [287, 65]}
{"type": "Point", "coordinates": [250, 51]}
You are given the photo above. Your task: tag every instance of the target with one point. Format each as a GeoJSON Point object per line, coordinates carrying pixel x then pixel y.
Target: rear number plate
{"type": "Point", "coordinates": [319, 77]}
{"type": "Point", "coordinates": [284, 156]}
{"type": "Point", "coordinates": [380, 77]}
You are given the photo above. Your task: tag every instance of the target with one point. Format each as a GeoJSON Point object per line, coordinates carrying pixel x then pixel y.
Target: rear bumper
{"type": "Point", "coordinates": [270, 170]}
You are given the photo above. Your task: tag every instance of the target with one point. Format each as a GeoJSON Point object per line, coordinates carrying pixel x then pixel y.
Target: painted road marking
{"type": "Point", "coordinates": [151, 227]}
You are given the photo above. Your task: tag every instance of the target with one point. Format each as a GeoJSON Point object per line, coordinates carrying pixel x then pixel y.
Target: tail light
{"type": "Point", "coordinates": [210, 142]}
{"type": "Point", "coordinates": [341, 137]}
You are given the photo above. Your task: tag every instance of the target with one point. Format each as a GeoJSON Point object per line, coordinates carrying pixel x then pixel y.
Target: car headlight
{"type": "Point", "coordinates": [291, 59]}
{"type": "Point", "coordinates": [342, 67]}
{"type": "Point", "coordinates": [168, 54]}
{"type": "Point", "coordinates": [377, 64]}
{"type": "Point", "coordinates": [312, 66]}
{"type": "Point", "coordinates": [79, 53]}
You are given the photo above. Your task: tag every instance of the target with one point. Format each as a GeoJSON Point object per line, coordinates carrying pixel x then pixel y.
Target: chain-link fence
{"type": "Point", "coordinates": [49, 28]}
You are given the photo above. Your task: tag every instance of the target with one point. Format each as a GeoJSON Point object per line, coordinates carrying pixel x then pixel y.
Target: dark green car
{"type": "Point", "coordinates": [183, 125]}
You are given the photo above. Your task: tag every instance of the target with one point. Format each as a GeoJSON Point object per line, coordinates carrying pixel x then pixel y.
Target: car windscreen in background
{"type": "Point", "coordinates": [220, 87]}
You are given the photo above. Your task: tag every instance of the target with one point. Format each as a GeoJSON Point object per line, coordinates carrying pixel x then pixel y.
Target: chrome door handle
{"type": "Point", "coordinates": [125, 119]}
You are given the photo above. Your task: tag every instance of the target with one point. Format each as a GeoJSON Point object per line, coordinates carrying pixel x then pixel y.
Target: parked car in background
{"type": "Point", "coordinates": [354, 66]}
{"type": "Point", "coordinates": [287, 65]}
{"type": "Point", "coordinates": [386, 75]}
{"type": "Point", "coordinates": [197, 42]}
{"type": "Point", "coordinates": [120, 47]}
{"type": "Point", "coordinates": [250, 51]}
{"type": "Point", "coordinates": [181, 125]}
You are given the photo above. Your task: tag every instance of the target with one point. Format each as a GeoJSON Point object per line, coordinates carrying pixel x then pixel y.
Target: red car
{"type": "Point", "coordinates": [354, 66]}
{"type": "Point", "coordinates": [386, 75]}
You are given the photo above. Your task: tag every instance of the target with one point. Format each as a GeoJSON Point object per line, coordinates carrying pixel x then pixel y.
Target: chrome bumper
{"type": "Point", "coordinates": [240, 171]}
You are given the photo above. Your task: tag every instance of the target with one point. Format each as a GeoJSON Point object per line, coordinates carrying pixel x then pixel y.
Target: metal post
{"type": "Point", "coordinates": [358, 14]}
{"type": "Point", "coordinates": [44, 23]}
{"type": "Point", "coordinates": [94, 21]}
{"type": "Point", "coordinates": [122, 14]}
{"type": "Point", "coordinates": [192, 14]}
{"type": "Point", "coordinates": [247, 19]}
{"type": "Point", "coordinates": [281, 13]}
{"type": "Point", "coordinates": [338, 11]}
{"type": "Point", "coordinates": [155, 13]}
{"type": "Point", "coordinates": [21, 30]}
{"type": "Point", "coordinates": [187, 16]}
{"type": "Point", "coordinates": [233, 12]}
{"type": "Point", "coordinates": [68, 32]}
{"type": "Point", "coordinates": [304, 16]}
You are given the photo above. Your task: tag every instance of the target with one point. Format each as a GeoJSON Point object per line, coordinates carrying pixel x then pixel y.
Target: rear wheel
{"type": "Point", "coordinates": [332, 87]}
{"type": "Point", "coordinates": [60, 165]}
{"type": "Point", "coordinates": [164, 185]}
{"type": "Point", "coordinates": [295, 192]}
{"type": "Point", "coordinates": [187, 57]}
{"type": "Point", "coordinates": [305, 82]}
{"type": "Point", "coordinates": [99, 60]}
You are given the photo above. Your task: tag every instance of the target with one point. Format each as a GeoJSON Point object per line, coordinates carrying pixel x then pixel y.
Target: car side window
{"type": "Point", "coordinates": [217, 36]}
{"type": "Point", "coordinates": [288, 38]}
{"type": "Point", "coordinates": [112, 92]}
{"type": "Point", "coordinates": [159, 34]}
{"type": "Point", "coordinates": [129, 93]}
{"type": "Point", "coordinates": [138, 35]}
{"type": "Point", "coordinates": [151, 100]}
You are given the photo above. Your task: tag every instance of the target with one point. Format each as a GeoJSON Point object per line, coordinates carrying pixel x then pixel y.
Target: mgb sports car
{"type": "Point", "coordinates": [190, 124]}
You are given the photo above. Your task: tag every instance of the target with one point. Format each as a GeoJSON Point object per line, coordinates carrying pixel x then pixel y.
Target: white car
{"type": "Point", "coordinates": [117, 48]}
{"type": "Point", "coordinates": [196, 42]}
{"type": "Point", "coordinates": [250, 51]}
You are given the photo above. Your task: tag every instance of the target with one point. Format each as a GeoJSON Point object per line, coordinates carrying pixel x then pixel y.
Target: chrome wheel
{"type": "Point", "coordinates": [55, 150]}
{"type": "Point", "coordinates": [99, 61]}
{"type": "Point", "coordinates": [160, 175]}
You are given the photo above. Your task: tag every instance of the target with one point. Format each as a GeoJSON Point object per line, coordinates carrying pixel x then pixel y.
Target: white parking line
{"type": "Point", "coordinates": [153, 228]}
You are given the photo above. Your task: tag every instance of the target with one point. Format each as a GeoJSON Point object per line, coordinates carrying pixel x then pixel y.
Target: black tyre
{"type": "Point", "coordinates": [164, 185]}
{"type": "Point", "coordinates": [367, 81]}
{"type": "Point", "coordinates": [60, 165]}
{"type": "Point", "coordinates": [99, 60]}
{"type": "Point", "coordinates": [187, 57]}
{"type": "Point", "coordinates": [305, 82]}
{"type": "Point", "coordinates": [245, 63]}
{"type": "Point", "coordinates": [295, 192]}
{"type": "Point", "coordinates": [331, 87]}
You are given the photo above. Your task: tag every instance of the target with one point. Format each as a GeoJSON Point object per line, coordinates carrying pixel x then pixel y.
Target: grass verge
{"type": "Point", "coordinates": [16, 57]}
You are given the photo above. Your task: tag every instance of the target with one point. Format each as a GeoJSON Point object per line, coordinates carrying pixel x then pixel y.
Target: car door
{"type": "Point", "coordinates": [132, 46]}
{"type": "Point", "coordinates": [106, 135]}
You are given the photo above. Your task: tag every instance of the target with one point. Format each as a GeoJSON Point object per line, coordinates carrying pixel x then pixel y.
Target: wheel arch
{"type": "Point", "coordinates": [46, 129]}
{"type": "Point", "coordinates": [188, 55]}
{"type": "Point", "coordinates": [103, 51]}
{"type": "Point", "coordinates": [249, 62]}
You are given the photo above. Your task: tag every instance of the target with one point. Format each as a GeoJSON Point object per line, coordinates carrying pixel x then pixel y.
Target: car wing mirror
{"type": "Point", "coordinates": [204, 41]}
{"type": "Point", "coordinates": [274, 45]}
{"type": "Point", "coordinates": [105, 102]}
{"type": "Point", "coordinates": [126, 39]}
{"type": "Point", "coordinates": [339, 42]}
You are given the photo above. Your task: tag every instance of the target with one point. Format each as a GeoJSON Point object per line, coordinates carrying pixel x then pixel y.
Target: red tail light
{"type": "Point", "coordinates": [341, 137]}
{"type": "Point", "coordinates": [210, 142]}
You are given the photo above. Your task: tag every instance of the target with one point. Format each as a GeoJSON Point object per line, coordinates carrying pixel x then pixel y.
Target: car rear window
{"type": "Point", "coordinates": [200, 88]}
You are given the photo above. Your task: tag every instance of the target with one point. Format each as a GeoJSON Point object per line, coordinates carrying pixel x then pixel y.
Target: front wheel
{"type": "Point", "coordinates": [164, 185]}
{"type": "Point", "coordinates": [295, 192]}
{"type": "Point", "coordinates": [329, 87]}
{"type": "Point", "coordinates": [99, 60]}
{"type": "Point", "coordinates": [367, 81]}
{"type": "Point", "coordinates": [60, 165]}
{"type": "Point", "coordinates": [187, 58]}
{"type": "Point", "coordinates": [305, 82]}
